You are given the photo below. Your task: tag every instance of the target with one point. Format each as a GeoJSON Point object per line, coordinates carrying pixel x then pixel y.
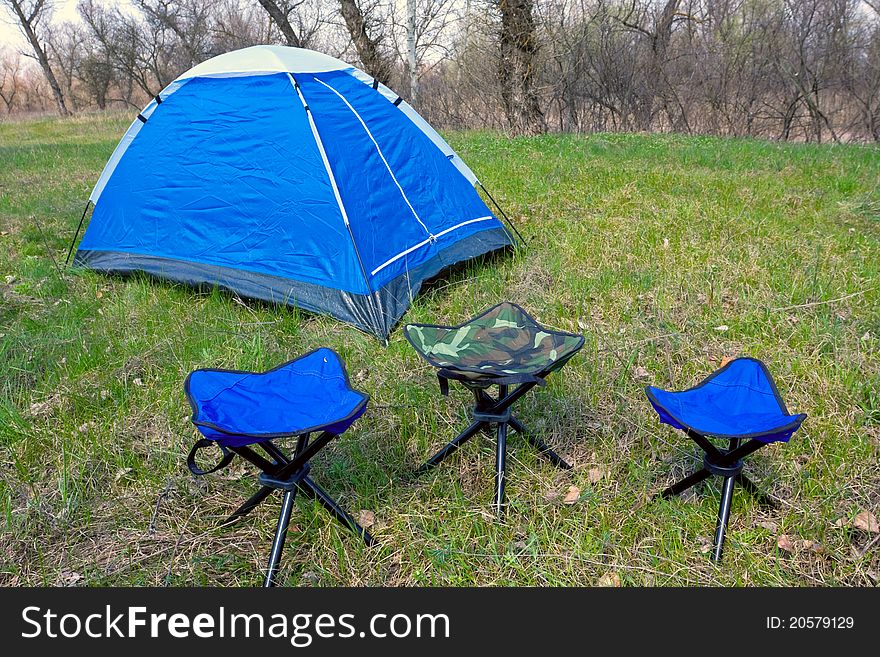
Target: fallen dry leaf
{"type": "Point", "coordinates": [98, 294]}
{"type": "Point", "coordinates": [572, 495]}
{"type": "Point", "coordinates": [45, 407]}
{"type": "Point", "coordinates": [725, 361]}
{"type": "Point", "coordinates": [867, 522]}
{"type": "Point", "coordinates": [783, 542]}
{"type": "Point", "coordinates": [69, 578]}
{"type": "Point", "coordinates": [609, 579]}
{"type": "Point", "coordinates": [595, 474]}
{"type": "Point", "coordinates": [769, 525]}
{"type": "Point", "coordinates": [705, 545]}
{"type": "Point", "coordinates": [310, 578]}
{"type": "Point", "coordinates": [121, 473]}
{"type": "Point", "coordinates": [366, 518]}
{"type": "Point", "coordinates": [641, 373]}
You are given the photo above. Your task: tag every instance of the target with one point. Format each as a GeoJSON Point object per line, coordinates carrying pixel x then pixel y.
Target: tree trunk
{"type": "Point", "coordinates": [374, 61]}
{"type": "Point", "coordinates": [518, 68]}
{"type": "Point", "coordinates": [656, 79]}
{"type": "Point", "coordinates": [282, 21]}
{"type": "Point", "coordinates": [412, 55]}
{"type": "Point", "coordinates": [27, 26]}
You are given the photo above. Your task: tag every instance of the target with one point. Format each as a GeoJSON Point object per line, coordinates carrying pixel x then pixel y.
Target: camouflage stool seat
{"type": "Point", "coordinates": [503, 346]}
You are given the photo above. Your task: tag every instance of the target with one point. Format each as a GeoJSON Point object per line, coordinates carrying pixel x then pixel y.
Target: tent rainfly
{"type": "Point", "coordinates": [287, 175]}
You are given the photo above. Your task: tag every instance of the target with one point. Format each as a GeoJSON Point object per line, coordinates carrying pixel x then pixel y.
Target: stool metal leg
{"type": "Point", "coordinates": [491, 413]}
{"type": "Point", "coordinates": [752, 487]}
{"type": "Point", "coordinates": [726, 501]}
{"type": "Point", "coordinates": [680, 486]}
{"type": "Point", "coordinates": [312, 490]}
{"type": "Point", "coordinates": [452, 446]}
{"type": "Point", "coordinates": [280, 535]}
{"type": "Point", "coordinates": [542, 447]}
{"type": "Point", "coordinates": [253, 502]}
{"type": "Point", "coordinates": [265, 491]}
{"type": "Point", "coordinates": [723, 517]}
{"type": "Point", "coordinates": [500, 468]}
{"type": "Point", "coordinates": [727, 463]}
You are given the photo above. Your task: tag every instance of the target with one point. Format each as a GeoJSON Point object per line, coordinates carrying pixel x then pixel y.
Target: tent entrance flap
{"type": "Point", "coordinates": [333, 184]}
{"type": "Point", "coordinates": [381, 155]}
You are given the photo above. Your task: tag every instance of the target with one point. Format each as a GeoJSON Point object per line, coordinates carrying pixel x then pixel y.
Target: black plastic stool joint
{"type": "Point", "coordinates": [291, 483]}
{"type": "Point", "coordinates": [728, 470]}
{"type": "Point", "coordinates": [495, 418]}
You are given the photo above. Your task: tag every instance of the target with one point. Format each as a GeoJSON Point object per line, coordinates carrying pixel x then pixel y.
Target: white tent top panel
{"type": "Point", "coordinates": [266, 60]}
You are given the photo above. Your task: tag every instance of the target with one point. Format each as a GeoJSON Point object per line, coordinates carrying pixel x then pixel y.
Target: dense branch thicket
{"type": "Point", "coordinates": [806, 70]}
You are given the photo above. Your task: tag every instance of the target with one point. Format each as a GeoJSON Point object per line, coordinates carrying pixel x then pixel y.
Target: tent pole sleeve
{"type": "Point", "coordinates": [76, 235]}
{"type": "Point", "coordinates": [503, 214]}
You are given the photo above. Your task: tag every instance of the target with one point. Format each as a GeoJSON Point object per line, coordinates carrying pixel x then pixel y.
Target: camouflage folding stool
{"type": "Point", "coordinates": [503, 346]}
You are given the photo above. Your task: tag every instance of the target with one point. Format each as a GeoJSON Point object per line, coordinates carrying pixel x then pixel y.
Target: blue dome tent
{"type": "Point", "coordinates": [287, 175]}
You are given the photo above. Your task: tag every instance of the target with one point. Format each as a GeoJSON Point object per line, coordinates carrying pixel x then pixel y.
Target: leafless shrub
{"type": "Point", "coordinates": [805, 70]}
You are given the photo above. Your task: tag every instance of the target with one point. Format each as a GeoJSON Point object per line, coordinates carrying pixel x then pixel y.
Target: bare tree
{"type": "Point", "coordinates": [10, 82]}
{"type": "Point", "coordinates": [138, 50]}
{"type": "Point", "coordinates": [65, 48]}
{"type": "Point", "coordinates": [806, 70]}
{"type": "Point", "coordinates": [412, 51]}
{"type": "Point", "coordinates": [236, 24]}
{"type": "Point", "coordinates": [189, 23]}
{"type": "Point", "coordinates": [518, 67]}
{"type": "Point", "coordinates": [861, 76]}
{"type": "Point", "coordinates": [31, 14]}
{"type": "Point", "coordinates": [280, 11]}
{"type": "Point", "coordinates": [424, 38]}
{"type": "Point", "coordinates": [367, 36]}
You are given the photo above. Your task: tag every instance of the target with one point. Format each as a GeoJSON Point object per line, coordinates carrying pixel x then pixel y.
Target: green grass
{"type": "Point", "coordinates": [646, 244]}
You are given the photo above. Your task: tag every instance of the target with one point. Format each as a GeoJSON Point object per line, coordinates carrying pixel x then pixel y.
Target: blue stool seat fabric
{"type": "Point", "coordinates": [309, 393]}
{"type": "Point", "coordinates": [740, 400]}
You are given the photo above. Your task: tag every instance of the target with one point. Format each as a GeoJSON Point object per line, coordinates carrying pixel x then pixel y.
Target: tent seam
{"type": "Point", "coordinates": [381, 155]}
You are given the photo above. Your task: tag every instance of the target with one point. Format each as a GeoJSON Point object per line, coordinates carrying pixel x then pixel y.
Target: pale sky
{"type": "Point", "coordinates": [10, 37]}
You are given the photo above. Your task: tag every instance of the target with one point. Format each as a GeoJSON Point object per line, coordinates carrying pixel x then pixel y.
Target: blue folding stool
{"type": "Point", "coordinates": [739, 402]}
{"type": "Point", "coordinates": [235, 409]}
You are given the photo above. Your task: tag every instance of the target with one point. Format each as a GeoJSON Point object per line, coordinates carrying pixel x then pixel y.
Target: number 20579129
{"type": "Point", "coordinates": [810, 623]}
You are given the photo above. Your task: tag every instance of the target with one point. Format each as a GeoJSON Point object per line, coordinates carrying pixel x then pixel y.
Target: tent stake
{"type": "Point", "coordinates": [76, 235]}
{"type": "Point", "coordinates": [503, 213]}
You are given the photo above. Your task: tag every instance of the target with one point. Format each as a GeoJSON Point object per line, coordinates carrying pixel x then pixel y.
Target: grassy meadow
{"type": "Point", "coordinates": [669, 253]}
